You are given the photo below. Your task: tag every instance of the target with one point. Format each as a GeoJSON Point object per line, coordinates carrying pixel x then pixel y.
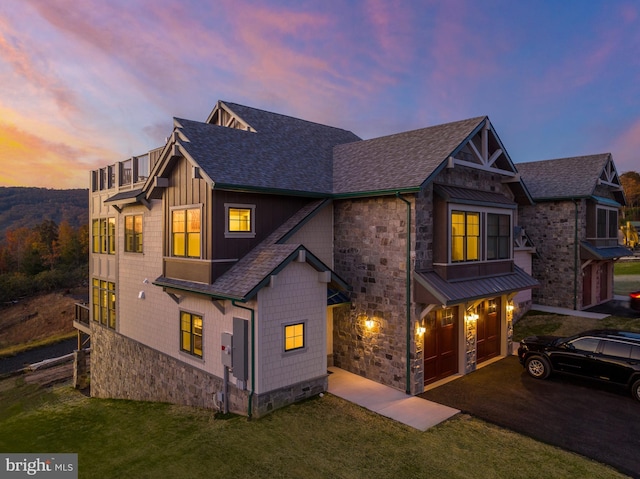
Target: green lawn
{"type": "Point", "coordinates": [626, 267]}
{"type": "Point", "coordinates": [538, 323]}
{"type": "Point", "coordinates": [320, 438]}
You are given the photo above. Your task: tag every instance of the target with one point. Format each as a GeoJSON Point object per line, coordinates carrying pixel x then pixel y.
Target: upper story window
{"type": "Point", "coordinates": [606, 222]}
{"type": "Point", "coordinates": [186, 232]}
{"type": "Point", "coordinates": [498, 236]}
{"type": "Point", "coordinates": [480, 235]}
{"type": "Point", "coordinates": [103, 234]}
{"type": "Point", "coordinates": [239, 220]}
{"type": "Point", "coordinates": [465, 236]}
{"type": "Point", "coordinates": [133, 233]}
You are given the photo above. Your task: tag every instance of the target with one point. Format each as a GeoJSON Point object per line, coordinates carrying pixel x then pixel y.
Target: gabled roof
{"type": "Point", "coordinates": [284, 154]}
{"type": "Point", "coordinates": [565, 178]}
{"type": "Point", "coordinates": [401, 161]}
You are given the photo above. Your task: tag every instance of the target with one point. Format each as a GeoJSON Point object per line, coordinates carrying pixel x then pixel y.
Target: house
{"type": "Point", "coordinates": [232, 266]}
{"type": "Point", "coordinates": [574, 225]}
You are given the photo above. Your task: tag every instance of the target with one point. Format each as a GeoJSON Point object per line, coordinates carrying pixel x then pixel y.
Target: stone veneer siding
{"type": "Point", "coordinates": [370, 255]}
{"type": "Point", "coordinates": [551, 227]}
{"type": "Point", "coordinates": [122, 368]}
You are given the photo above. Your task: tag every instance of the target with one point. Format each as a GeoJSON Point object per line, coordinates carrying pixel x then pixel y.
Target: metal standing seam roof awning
{"type": "Point", "coordinates": [589, 251]}
{"type": "Point", "coordinates": [432, 289]}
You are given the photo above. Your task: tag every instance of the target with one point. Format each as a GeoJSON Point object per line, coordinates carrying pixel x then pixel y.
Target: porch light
{"type": "Point", "coordinates": [471, 317]}
{"type": "Point", "coordinates": [421, 330]}
{"type": "Point", "coordinates": [369, 323]}
{"type": "Point", "coordinates": [510, 307]}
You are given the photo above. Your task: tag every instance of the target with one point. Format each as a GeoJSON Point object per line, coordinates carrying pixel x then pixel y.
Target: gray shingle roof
{"type": "Point", "coordinates": [403, 160]}
{"type": "Point", "coordinates": [563, 177]}
{"type": "Point", "coordinates": [284, 154]}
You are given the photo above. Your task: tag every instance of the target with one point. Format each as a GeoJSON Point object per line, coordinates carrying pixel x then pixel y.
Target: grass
{"type": "Point", "coordinates": [626, 267]}
{"type": "Point", "coordinates": [536, 323]}
{"type": "Point", "coordinates": [319, 438]}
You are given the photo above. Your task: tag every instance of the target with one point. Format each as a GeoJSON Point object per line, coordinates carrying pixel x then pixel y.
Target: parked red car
{"type": "Point", "coordinates": [634, 300]}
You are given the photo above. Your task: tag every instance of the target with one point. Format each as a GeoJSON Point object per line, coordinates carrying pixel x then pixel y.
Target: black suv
{"type": "Point", "coordinates": [605, 354]}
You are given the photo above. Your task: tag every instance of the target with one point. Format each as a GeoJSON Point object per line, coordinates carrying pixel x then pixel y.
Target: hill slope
{"type": "Point", "coordinates": [28, 207]}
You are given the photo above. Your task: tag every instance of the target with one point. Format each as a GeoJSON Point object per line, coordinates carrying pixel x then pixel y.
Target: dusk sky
{"type": "Point", "coordinates": [84, 84]}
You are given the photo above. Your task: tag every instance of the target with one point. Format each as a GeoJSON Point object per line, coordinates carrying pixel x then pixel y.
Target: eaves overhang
{"type": "Point", "coordinates": [436, 290]}
{"type": "Point", "coordinates": [591, 252]}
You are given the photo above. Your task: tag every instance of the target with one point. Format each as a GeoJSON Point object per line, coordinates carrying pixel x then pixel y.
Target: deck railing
{"type": "Point", "coordinates": [81, 319]}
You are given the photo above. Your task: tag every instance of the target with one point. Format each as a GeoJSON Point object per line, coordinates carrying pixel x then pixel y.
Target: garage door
{"type": "Point", "coordinates": [440, 344]}
{"type": "Point", "coordinates": [488, 332]}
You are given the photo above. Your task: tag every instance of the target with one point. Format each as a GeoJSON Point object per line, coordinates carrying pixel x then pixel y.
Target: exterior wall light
{"type": "Point", "coordinates": [471, 317]}
{"type": "Point", "coordinates": [421, 330]}
{"type": "Point", "coordinates": [369, 323]}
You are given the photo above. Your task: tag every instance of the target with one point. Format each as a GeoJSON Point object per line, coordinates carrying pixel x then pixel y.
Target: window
{"type": "Point", "coordinates": [240, 221]}
{"type": "Point", "coordinates": [585, 344]}
{"type": "Point", "coordinates": [606, 223]}
{"type": "Point", "coordinates": [498, 236]}
{"type": "Point", "coordinates": [185, 230]}
{"type": "Point", "coordinates": [133, 233]}
{"type": "Point", "coordinates": [294, 337]}
{"type": "Point", "coordinates": [103, 232]}
{"type": "Point", "coordinates": [615, 348]}
{"type": "Point", "coordinates": [465, 236]}
{"type": "Point", "coordinates": [447, 317]}
{"type": "Point", "coordinates": [103, 299]}
{"type": "Point", "coordinates": [191, 333]}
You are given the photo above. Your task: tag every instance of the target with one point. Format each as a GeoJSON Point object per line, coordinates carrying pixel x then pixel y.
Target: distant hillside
{"type": "Point", "coordinates": [21, 206]}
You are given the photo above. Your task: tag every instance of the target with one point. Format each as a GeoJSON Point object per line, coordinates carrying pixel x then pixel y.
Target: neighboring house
{"type": "Point", "coordinates": [574, 225]}
{"type": "Point", "coordinates": [232, 266]}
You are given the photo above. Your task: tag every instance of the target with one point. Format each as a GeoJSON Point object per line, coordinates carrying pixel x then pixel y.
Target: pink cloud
{"type": "Point", "coordinates": [31, 66]}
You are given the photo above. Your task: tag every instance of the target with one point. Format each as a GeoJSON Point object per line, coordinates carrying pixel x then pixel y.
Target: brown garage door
{"type": "Point", "coordinates": [440, 344]}
{"type": "Point", "coordinates": [488, 332]}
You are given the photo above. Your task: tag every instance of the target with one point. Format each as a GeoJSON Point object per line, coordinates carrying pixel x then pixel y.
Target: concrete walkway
{"type": "Point", "coordinates": [386, 401]}
{"type": "Point", "coordinates": [568, 312]}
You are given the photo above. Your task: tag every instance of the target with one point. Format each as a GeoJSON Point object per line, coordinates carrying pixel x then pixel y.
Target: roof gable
{"type": "Point", "coordinates": [573, 177]}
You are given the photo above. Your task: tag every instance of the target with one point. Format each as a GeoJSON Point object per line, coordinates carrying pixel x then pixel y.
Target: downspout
{"type": "Point", "coordinates": [575, 258]}
{"type": "Point", "coordinates": [408, 292]}
{"type": "Point", "coordinates": [253, 369]}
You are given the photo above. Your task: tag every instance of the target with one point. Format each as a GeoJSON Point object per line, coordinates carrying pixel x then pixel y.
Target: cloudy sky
{"type": "Point", "coordinates": [85, 83]}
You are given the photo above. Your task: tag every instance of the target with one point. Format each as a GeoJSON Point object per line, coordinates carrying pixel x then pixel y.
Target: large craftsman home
{"type": "Point", "coordinates": [232, 266]}
{"type": "Point", "coordinates": [574, 225]}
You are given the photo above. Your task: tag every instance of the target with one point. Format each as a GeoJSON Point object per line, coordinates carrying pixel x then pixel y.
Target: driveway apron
{"type": "Point", "coordinates": [601, 422]}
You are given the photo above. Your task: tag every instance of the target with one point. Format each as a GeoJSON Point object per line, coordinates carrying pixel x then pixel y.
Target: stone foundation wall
{"type": "Point", "coordinates": [122, 368]}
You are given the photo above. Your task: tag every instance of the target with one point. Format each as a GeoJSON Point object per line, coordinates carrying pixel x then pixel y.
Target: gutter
{"type": "Point", "coordinates": [408, 292]}
{"type": "Point", "coordinates": [575, 256]}
{"type": "Point", "coordinates": [253, 362]}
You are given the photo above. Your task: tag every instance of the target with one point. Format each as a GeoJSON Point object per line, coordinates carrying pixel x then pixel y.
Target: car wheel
{"type": "Point", "coordinates": [635, 389]}
{"type": "Point", "coordinates": [538, 367]}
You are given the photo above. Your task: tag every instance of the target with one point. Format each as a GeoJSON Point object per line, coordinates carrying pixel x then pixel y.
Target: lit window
{"type": "Point", "coordinates": [185, 229]}
{"type": "Point", "coordinates": [465, 236]}
{"type": "Point", "coordinates": [103, 233]}
{"type": "Point", "coordinates": [133, 233]}
{"type": "Point", "coordinates": [103, 301]}
{"type": "Point", "coordinates": [191, 333]}
{"type": "Point", "coordinates": [294, 336]}
{"type": "Point", "coordinates": [240, 221]}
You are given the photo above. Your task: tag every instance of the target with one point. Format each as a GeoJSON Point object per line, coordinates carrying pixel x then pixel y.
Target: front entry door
{"type": "Point", "coordinates": [488, 338]}
{"type": "Point", "coordinates": [440, 344]}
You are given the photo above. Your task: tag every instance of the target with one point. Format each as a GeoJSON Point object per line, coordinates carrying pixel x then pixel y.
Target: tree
{"type": "Point", "coordinates": [631, 185]}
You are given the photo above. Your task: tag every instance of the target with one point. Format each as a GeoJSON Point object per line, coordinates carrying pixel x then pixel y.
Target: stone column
{"type": "Point", "coordinates": [80, 369]}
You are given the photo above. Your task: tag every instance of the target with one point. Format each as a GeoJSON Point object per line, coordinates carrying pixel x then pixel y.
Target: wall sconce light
{"type": "Point", "coordinates": [510, 307]}
{"type": "Point", "coordinates": [145, 281]}
{"type": "Point", "coordinates": [369, 323]}
{"type": "Point", "coordinates": [421, 330]}
{"type": "Point", "coordinates": [141, 295]}
{"type": "Point", "coordinates": [470, 317]}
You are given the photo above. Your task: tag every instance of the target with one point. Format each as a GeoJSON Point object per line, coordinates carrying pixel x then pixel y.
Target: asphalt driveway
{"type": "Point", "coordinates": [601, 422]}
